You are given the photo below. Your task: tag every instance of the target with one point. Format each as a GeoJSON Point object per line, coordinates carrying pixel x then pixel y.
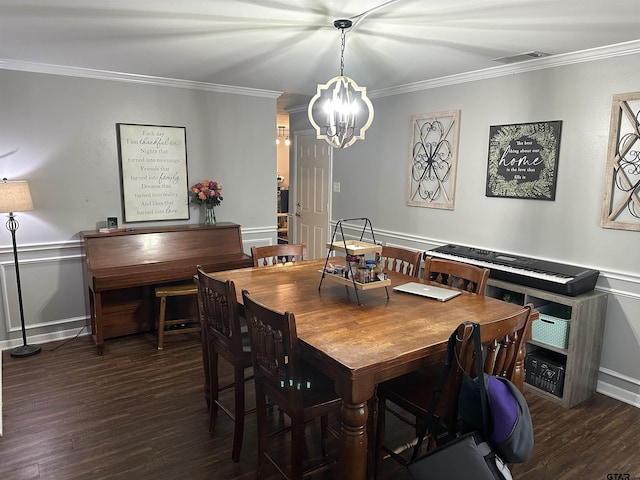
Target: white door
{"type": "Point", "coordinates": [311, 204]}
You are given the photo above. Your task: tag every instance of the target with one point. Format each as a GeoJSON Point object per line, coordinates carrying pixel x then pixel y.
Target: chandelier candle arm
{"type": "Point", "coordinates": [340, 111]}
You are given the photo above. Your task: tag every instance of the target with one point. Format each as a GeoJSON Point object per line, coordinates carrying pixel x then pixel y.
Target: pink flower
{"type": "Point", "coordinates": [207, 193]}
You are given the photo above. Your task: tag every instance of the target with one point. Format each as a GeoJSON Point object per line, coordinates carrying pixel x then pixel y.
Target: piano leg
{"type": "Point", "coordinates": [96, 323]}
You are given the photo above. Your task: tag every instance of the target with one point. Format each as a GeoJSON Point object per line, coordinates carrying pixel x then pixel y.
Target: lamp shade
{"type": "Point", "coordinates": [15, 196]}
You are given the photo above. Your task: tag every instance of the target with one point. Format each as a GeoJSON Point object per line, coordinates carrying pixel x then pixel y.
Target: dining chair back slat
{"type": "Point", "coordinates": [462, 276]}
{"type": "Point", "coordinates": [401, 260]}
{"type": "Point", "coordinates": [280, 253]}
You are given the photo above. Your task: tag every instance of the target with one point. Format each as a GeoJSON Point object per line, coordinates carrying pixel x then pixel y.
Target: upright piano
{"type": "Point", "coordinates": [121, 268]}
{"type": "Point", "coordinates": [551, 276]}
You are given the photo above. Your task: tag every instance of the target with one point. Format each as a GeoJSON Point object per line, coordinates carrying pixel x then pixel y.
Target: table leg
{"type": "Point", "coordinates": [352, 456]}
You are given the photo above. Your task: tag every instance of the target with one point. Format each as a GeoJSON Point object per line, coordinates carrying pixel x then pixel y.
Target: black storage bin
{"type": "Point", "coordinates": [545, 370]}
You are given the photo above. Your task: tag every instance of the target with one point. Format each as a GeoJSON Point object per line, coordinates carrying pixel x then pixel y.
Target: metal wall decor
{"type": "Point", "coordinates": [433, 159]}
{"type": "Point", "coordinates": [621, 202]}
{"type": "Point", "coordinates": [523, 160]}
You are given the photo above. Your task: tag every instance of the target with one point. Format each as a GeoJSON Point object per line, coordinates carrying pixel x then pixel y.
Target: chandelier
{"type": "Point", "coordinates": [340, 111]}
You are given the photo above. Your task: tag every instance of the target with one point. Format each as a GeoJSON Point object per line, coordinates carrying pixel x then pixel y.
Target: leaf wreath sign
{"type": "Point", "coordinates": [621, 202]}
{"type": "Point", "coordinates": [523, 160]}
{"type": "Point", "coordinates": [433, 159]}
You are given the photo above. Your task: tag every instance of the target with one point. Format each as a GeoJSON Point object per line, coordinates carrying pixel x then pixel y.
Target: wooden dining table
{"type": "Point", "coordinates": [359, 346]}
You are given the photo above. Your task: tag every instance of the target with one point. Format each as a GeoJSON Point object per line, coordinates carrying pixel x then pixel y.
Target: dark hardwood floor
{"type": "Point", "coordinates": [137, 413]}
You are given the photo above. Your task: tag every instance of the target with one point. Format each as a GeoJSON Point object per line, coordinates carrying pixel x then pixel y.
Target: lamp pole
{"type": "Point", "coordinates": [24, 350]}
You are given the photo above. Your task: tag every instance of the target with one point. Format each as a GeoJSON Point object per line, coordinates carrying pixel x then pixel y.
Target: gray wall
{"type": "Point", "coordinates": [566, 230]}
{"type": "Point", "coordinates": [65, 133]}
{"type": "Point", "coordinates": [64, 127]}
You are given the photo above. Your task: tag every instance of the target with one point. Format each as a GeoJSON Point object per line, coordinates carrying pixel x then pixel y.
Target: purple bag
{"type": "Point", "coordinates": [476, 455]}
{"type": "Point", "coordinates": [509, 425]}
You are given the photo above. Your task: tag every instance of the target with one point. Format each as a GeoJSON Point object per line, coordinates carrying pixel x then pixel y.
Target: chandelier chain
{"type": "Point", "coordinates": [343, 36]}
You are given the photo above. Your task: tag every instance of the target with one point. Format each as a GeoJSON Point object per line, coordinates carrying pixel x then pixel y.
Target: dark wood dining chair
{"type": "Point", "coordinates": [503, 344]}
{"type": "Point", "coordinates": [290, 383]}
{"type": "Point", "coordinates": [462, 276]}
{"type": "Point", "coordinates": [280, 253]}
{"type": "Point", "coordinates": [402, 260]}
{"type": "Point", "coordinates": [224, 336]}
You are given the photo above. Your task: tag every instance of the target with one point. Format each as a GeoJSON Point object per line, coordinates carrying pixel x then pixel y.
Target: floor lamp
{"type": "Point", "coordinates": [15, 197]}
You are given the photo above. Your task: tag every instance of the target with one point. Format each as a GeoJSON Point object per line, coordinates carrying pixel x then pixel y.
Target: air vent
{"type": "Point", "coordinates": [521, 57]}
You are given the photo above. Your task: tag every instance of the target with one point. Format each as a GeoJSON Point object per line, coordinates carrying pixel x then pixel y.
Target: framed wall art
{"type": "Point", "coordinates": [523, 160]}
{"type": "Point", "coordinates": [433, 159]}
{"type": "Point", "coordinates": [621, 202]}
{"type": "Point", "coordinates": [153, 172]}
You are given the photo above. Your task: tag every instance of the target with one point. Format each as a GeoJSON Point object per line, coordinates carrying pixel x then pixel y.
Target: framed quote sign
{"type": "Point", "coordinates": [523, 160]}
{"type": "Point", "coordinates": [153, 172]}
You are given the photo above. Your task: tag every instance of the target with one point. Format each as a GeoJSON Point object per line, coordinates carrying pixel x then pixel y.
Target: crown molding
{"type": "Point", "coordinates": [297, 109]}
{"type": "Point", "coordinates": [600, 53]}
{"type": "Point", "coordinates": [7, 64]}
{"type": "Point", "coordinates": [620, 49]}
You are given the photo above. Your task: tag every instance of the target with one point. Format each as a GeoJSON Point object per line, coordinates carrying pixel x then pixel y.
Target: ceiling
{"type": "Point", "coordinates": [291, 45]}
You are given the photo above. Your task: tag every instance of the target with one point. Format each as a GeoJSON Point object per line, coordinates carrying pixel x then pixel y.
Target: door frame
{"type": "Point", "coordinates": [293, 185]}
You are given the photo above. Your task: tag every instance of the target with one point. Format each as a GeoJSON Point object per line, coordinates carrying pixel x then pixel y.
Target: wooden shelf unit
{"type": "Point", "coordinates": [586, 327]}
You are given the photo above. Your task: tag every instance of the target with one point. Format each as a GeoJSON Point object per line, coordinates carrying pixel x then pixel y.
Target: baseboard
{"type": "Point", "coordinates": [618, 393]}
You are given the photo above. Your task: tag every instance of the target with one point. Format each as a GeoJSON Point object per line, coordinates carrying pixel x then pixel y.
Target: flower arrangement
{"type": "Point", "coordinates": [206, 193]}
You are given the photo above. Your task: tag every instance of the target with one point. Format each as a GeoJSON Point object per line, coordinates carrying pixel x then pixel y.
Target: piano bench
{"type": "Point", "coordinates": [187, 325]}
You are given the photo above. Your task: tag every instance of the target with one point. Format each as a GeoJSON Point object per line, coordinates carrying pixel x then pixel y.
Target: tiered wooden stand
{"type": "Point", "coordinates": [356, 248]}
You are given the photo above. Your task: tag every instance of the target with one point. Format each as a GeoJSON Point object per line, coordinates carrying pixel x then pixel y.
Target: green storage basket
{"type": "Point", "coordinates": [552, 328]}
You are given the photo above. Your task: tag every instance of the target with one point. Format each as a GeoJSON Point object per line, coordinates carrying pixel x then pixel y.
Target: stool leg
{"type": "Point", "coordinates": [161, 318]}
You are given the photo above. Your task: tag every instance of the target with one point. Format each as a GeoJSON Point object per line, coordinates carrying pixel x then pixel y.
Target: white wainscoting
{"type": "Point", "coordinates": [53, 294]}
{"type": "Point", "coordinates": [619, 376]}
{"type": "Point", "coordinates": [53, 289]}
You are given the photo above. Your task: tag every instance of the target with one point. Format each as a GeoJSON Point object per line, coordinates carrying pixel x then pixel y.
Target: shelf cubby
{"type": "Point", "coordinates": [586, 328]}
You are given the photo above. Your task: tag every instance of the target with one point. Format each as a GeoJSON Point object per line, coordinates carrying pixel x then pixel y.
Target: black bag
{"type": "Point", "coordinates": [470, 456]}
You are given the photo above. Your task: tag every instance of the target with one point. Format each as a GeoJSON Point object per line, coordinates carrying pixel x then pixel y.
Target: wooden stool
{"type": "Point", "coordinates": [175, 291]}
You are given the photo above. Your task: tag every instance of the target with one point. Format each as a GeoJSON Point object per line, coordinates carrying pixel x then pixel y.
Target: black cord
{"type": "Point", "coordinates": [67, 340]}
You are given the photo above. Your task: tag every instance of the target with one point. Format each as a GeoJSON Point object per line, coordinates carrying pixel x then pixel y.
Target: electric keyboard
{"type": "Point", "coordinates": [553, 277]}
